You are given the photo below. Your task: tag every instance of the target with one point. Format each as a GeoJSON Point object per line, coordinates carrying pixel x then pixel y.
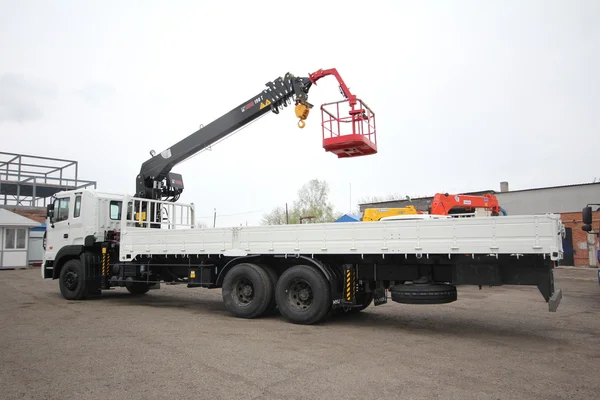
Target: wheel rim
{"type": "Point", "coordinates": [244, 291]}
{"type": "Point", "coordinates": [300, 295]}
{"type": "Point", "coordinates": [70, 280]}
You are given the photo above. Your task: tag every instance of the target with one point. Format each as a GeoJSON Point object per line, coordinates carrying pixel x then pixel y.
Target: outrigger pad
{"type": "Point", "coordinates": [348, 128]}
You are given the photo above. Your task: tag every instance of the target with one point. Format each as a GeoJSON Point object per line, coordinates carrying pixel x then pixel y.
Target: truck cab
{"type": "Point", "coordinates": [83, 220]}
{"type": "Point", "coordinates": [74, 217]}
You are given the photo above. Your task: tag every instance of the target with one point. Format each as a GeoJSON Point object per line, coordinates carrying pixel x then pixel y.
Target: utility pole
{"type": "Point", "coordinates": [287, 216]}
{"type": "Point", "coordinates": [350, 209]}
{"type": "Point", "coordinates": [215, 219]}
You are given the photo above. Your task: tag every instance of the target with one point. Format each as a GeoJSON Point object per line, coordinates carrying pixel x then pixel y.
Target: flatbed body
{"type": "Point", "coordinates": [511, 235]}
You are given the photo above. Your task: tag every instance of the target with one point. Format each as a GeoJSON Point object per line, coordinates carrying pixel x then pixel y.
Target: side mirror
{"type": "Point", "coordinates": [50, 210]}
{"type": "Point", "coordinates": [586, 215]}
{"type": "Point", "coordinates": [50, 213]}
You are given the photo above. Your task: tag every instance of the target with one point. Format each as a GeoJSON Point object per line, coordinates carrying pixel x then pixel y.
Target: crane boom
{"type": "Point", "coordinates": [156, 181]}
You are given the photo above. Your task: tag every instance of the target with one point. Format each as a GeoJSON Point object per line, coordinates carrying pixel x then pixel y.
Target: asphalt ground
{"type": "Point", "coordinates": [180, 343]}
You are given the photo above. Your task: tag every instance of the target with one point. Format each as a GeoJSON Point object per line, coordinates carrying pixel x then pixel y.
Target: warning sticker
{"type": "Point", "coordinates": [266, 103]}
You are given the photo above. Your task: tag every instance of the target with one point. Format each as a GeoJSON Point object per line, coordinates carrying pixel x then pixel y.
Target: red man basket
{"type": "Point", "coordinates": [348, 128]}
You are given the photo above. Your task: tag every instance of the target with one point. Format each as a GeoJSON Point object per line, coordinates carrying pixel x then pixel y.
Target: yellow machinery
{"type": "Point", "coordinates": [375, 214]}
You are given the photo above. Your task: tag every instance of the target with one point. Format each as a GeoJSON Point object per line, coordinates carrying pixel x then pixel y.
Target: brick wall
{"type": "Point", "coordinates": [38, 215]}
{"type": "Point", "coordinates": [573, 221]}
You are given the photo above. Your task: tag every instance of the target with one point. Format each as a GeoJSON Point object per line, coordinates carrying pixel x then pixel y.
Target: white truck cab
{"type": "Point", "coordinates": [75, 215]}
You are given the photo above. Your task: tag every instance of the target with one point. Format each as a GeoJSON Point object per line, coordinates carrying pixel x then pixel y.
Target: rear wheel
{"type": "Point", "coordinates": [303, 295]}
{"type": "Point", "coordinates": [272, 308]}
{"type": "Point", "coordinates": [72, 282]}
{"type": "Point", "coordinates": [247, 290]}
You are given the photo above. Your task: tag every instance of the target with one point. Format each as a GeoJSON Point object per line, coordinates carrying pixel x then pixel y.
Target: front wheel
{"type": "Point", "coordinates": [72, 282]}
{"type": "Point", "coordinates": [303, 295]}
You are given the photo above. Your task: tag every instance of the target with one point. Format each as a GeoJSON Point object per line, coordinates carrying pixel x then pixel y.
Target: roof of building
{"type": "Point", "coordinates": [8, 218]}
{"type": "Point", "coordinates": [35, 213]}
{"type": "Point", "coordinates": [480, 192]}
{"type": "Point", "coordinates": [551, 187]}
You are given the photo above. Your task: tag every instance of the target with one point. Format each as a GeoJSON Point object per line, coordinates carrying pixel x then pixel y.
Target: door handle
{"type": "Point", "coordinates": [66, 235]}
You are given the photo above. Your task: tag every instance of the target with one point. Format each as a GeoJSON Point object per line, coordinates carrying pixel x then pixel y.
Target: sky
{"type": "Point", "coordinates": [466, 94]}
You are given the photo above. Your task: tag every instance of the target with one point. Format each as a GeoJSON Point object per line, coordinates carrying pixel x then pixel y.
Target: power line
{"type": "Point", "coordinates": [234, 214]}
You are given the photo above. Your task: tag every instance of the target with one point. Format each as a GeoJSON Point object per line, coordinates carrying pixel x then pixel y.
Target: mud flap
{"type": "Point", "coordinates": [91, 263]}
{"type": "Point", "coordinates": [554, 300]}
{"type": "Point", "coordinates": [551, 295]}
{"type": "Point", "coordinates": [379, 295]}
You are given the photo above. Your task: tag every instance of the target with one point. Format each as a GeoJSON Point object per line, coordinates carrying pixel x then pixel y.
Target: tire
{"type": "Point", "coordinates": [272, 308]}
{"type": "Point", "coordinates": [137, 288]}
{"type": "Point", "coordinates": [424, 294]}
{"type": "Point", "coordinates": [247, 291]}
{"type": "Point", "coordinates": [303, 295]}
{"type": "Point", "coordinates": [71, 280]}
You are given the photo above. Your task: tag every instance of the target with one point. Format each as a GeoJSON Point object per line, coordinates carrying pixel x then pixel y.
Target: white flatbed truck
{"type": "Point", "coordinates": [98, 241]}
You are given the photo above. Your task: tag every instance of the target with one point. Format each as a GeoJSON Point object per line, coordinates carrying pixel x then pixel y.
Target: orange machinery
{"type": "Point", "coordinates": [447, 204]}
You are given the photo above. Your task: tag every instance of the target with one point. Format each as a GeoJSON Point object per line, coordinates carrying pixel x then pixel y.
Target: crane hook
{"type": "Point", "coordinates": [302, 111]}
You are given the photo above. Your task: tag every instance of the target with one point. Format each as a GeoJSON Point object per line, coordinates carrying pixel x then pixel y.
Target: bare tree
{"type": "Point", "coordinates": [275, 217]}
{"type": "Point", "coordinates": [312, 201]}
{"type": "Point", "coordinates": [376, 199]}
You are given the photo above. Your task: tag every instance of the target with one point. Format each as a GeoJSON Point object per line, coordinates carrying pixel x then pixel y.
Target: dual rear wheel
{"type": "Point", "coordinates": [302, 293]}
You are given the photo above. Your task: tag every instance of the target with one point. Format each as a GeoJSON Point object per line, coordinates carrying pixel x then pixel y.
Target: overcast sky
{"type": "Point", "coordinates": [466, 93]}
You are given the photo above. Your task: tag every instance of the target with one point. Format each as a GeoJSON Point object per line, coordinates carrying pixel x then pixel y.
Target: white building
{"type": "Point", "coordinates": [14, 239]}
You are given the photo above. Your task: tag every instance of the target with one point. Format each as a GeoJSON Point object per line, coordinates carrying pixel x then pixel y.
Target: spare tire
{"type": "Point", "coordinates": [424, 293]}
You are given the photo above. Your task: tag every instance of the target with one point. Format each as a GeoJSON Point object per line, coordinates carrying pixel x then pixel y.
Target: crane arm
{"type": "Point", "coordinates": [155, 179]}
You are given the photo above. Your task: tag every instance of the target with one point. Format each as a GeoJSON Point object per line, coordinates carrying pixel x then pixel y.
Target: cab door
{"type": "Point", "coordinates": [58, 229]}
{"type": "Point", "coordinates": [76, 225]}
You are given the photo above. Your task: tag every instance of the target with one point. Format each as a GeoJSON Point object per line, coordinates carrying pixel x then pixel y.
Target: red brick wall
{"type": "Point", "coordinates": [36, 215]}
{"type": "Point", "coordinates": [573, 221]}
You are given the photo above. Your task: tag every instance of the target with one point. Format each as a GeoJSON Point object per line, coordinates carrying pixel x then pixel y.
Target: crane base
{"type": "Point", "coordinates": [350, 146]}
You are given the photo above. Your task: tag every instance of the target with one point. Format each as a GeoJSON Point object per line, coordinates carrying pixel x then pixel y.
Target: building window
{"type": "Point", "coordinates": [15, 238]}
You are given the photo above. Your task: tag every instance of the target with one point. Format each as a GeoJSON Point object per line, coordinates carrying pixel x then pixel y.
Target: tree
{"type": "Point", "coordinates": [275, 217]}
{"type": "Point", "coordinates": [376, 199]}
{"type": "Point", "coordinates": [312, 201]}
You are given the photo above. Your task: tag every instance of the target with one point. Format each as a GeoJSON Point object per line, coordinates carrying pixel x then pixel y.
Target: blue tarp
{"type": "Point", "coordinates": [348, 218]}
{"type": "Point", "coordinates": [41, 228]}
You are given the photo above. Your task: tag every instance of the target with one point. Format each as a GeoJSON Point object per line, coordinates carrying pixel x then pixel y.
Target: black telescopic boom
{"type": "Point", "coordinates": [156, 181]}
